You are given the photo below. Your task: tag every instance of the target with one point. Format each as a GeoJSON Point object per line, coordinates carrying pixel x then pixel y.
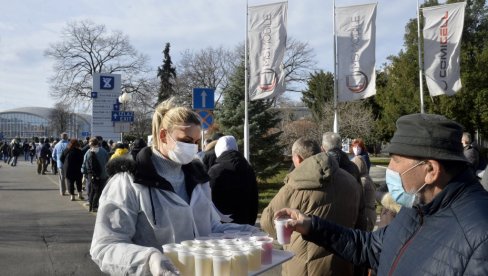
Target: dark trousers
{"type": "Point", "coordinates": [71, 185]}
{"type": "Point", "coordinates": [96, 188]}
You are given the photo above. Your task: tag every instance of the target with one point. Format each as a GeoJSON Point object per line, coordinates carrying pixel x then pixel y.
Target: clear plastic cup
{"type": "Point", "coordinates": [203, 262]}
{"type": "Point", "coordinates": [267, 246]}
{"type": "Point", "coordinates": [202, 239]}
{"type": "Point", "coordinates": [186, 260]}
{"type": "Point", "coordinates": [170, 250]}
{"type": "Point", "coordinates": [283, 234]}
{"type": "Point", "coordinates": [221, 261]}
{"type": "Point", "coordinates": [188, 243]}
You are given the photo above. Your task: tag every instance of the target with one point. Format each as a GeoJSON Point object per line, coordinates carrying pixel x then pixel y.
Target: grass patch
{"type": "Point", "coordinates": [381, 161]}
{"type": "Point", "coordinates": [268, 188]}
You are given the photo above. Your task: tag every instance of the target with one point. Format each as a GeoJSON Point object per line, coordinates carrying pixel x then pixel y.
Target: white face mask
{"type": "Point", "coordinates": [356, 150]}
{"type": "Point", "coordinates": [182, 153]}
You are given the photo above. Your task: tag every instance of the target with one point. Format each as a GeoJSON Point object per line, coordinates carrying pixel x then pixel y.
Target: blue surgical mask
{"type": "Point", "coordinates": [395, 187]}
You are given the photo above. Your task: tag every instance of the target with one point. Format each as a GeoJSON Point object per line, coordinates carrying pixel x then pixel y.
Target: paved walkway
{"type": "Point", "coordinates": [42, 232]}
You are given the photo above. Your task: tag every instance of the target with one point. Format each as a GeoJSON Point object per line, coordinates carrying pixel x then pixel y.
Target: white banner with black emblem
{"type": "Point", "coordinates": [355, 29]}
{"type": "Point", "coordinates": [443, 27]}
{"type": "Point", "coordinates": [267, 44]}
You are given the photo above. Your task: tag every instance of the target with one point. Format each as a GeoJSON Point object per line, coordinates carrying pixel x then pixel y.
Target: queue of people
{"type": "Point", "coordinates": [433, 220]}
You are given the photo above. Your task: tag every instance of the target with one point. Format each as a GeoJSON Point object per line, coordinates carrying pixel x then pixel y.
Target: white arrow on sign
{"type": "Point", "coordinates": [115, 116]}
{"type": "Point", "coordinates": [204, 96]}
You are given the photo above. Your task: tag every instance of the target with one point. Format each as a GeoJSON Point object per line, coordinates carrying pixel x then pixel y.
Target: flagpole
{"type": "Point", "coordinates": [246, 92]}
{"type": "Point", "coordinates": [420, 61]}
{"type": "Point", "coordinates": [336, 123]}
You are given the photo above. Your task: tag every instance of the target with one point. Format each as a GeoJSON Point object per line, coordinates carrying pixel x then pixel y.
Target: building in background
{"type": "Point", "coordinates": [28, 122]}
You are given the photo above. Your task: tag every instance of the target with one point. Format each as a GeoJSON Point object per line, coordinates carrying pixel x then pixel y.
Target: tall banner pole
{"type": "Point", "coordinates": [421, 83]}
{"type": "Point", "coordinates": [336, 123]}
{"type": "Point", "coordinates": [246, 92]}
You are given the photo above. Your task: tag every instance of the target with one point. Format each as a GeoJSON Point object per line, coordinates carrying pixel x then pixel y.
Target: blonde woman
{"type": "Point", "coordinates": [161, 197]}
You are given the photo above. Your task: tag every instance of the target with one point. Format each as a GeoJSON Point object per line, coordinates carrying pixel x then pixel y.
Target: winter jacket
{"type": "Point", "coordinates": [317, 187]}
{"type": "Point", "coordinates": [448, 236]}
{"type": "Point", "coordinates": [102, 158]}
{"type": "Point", "coordinates": [72, 160]}
{"type": "Point", "coordinates": [234, 187]}
{"type": "Point", "coordinates": [209, 157]}
{"type": "Point", "coordinates": [369, 192]}
{"type": "Point", "coordinates": [139, 212]}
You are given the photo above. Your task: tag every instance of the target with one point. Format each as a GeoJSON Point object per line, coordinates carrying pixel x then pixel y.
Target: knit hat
{"type": "Point", "coordinates": [225, 143]}
{"type": "Point", "coordinates": [427, 136]}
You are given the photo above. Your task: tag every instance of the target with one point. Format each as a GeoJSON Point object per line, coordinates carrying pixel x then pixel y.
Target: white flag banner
{"type": "Point", "coordinates": [356, 33]}
{"type": "Point", "coordinates": [443, 27]}
{"type": "Point", "coordinates": [267, 43]}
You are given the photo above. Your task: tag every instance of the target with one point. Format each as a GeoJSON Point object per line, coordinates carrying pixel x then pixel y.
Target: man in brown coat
{"type": "Point", "coordinates": [316, 186]}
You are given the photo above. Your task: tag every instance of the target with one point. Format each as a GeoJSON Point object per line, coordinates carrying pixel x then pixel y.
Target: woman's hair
{"type": "Point", "coordinates": [73, 143]}
{"type": "Point", "coordinates": [167, 115]}
{"type": "Point", "coordinates": [359, 142]}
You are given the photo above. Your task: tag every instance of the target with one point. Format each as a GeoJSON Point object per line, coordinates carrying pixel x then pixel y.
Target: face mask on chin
{"type": "Point", "coordinates": [395, 187]}
{"type": "Point", "coordinates": [182, 153]}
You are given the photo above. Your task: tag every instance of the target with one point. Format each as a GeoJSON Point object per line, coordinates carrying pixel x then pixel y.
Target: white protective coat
{"type": "Point", "coordinates": [125, 234]}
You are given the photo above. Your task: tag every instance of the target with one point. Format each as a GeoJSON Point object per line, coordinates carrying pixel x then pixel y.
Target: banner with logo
{"type": "Point", "coordinates": [443, 27]}
{"type": "Point", "coordinates": [355, 28]}
{"type": "Point", "coordinates": [267, 43]}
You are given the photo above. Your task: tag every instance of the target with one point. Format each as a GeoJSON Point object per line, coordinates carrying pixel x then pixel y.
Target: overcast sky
{"type": "Point", "coordinates": [27, 27]}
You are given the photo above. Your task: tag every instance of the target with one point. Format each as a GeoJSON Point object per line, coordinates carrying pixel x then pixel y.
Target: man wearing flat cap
{"type": "Point", "coordinates": [442, 228]}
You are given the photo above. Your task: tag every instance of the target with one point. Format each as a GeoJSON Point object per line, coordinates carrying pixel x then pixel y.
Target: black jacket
{"type": "Point", "coordinates": [72, 160]}
{"type": "Point", "coordinates": [448, 236]}
{"type": "Point", "coordinates": [234, 187]}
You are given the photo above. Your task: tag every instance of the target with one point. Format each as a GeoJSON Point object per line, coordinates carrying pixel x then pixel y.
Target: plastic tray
{"type": "Point", "coordinates": [279, 257]}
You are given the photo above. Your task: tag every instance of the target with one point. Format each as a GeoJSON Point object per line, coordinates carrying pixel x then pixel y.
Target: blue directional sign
{"type": "Point", "coordinates": [207, 118]}
{"type": "Point", "coordinates": [116, 107]}
{"type": "Point", "coordinates": [85, 133]}
{"type": "Point", "coordinates": [122, 116]}
{"type": "Point", "coordinates": [203, 98]}
{"type": "Point", "coordinates": [94, 95]}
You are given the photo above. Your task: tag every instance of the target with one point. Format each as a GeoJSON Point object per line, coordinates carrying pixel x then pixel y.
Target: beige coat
{"type": "Point", "coordinates": [369, 193]}
{"type": "Point", "coordinates": [316, 187]}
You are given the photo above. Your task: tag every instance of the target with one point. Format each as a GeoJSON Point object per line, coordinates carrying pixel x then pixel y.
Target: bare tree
{"type": "Point", "coordinates": [143, 100]}
{"type": "Point", "coordinates": [210, 67]}
{"type": "Point", "coordinates": [299, 61]}
{"type": "Point", "coordinates": [60, 117]}
{"type": "Point", "coordinates": [85, 49]}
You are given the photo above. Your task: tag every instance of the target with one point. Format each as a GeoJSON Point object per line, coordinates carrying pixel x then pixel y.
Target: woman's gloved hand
{"type": "Point", "coordinates": [160, 265]}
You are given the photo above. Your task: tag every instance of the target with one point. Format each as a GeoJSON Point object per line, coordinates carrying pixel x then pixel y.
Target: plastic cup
{"type": "Point", "coordinates": [283, 234]}
{"type": "Point", "coordinates": [239, 262]}
{"type": "Point", "coordinates": [187, 261]}
{"type": "Point", "coordinates": [221, 263]}
{"type": "Point", "coordinates": [188, 243]}
{"type": "Point", "coordinates": [203, 262]}
{"type": "Point", "coordinates": [254, 257]}
{"type": "Point", "coordinates": [267, 246]}
{"type": "Point", "coordinates": [170, 250]}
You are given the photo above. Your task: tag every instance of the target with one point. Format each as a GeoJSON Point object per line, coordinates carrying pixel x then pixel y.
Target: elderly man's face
{"type": "Point", "coordinates": [411, 171]}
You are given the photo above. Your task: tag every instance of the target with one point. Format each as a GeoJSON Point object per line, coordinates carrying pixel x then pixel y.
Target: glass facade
{"type": "Point", "coordinates": [35, 123]}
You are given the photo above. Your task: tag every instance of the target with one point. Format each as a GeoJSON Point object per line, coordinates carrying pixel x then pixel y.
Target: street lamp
{"type": "Point", "coordinates": [123, 99]}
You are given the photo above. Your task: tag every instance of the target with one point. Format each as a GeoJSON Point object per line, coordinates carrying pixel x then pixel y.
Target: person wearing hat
{"type": "Point", "coordinates": [233, 183]}
{"type": "Point", "coordinates": [209, 157]}
{"type": "Point", "coordinates": [442, 227]}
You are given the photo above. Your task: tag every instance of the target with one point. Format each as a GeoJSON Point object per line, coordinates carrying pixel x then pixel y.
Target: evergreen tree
{"type": "Point", "coordinates": [265, 150]}
{"type": "Point", "coordinates": [167, 75]}
{"type": "Point", "coordinates": [400, 94]}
